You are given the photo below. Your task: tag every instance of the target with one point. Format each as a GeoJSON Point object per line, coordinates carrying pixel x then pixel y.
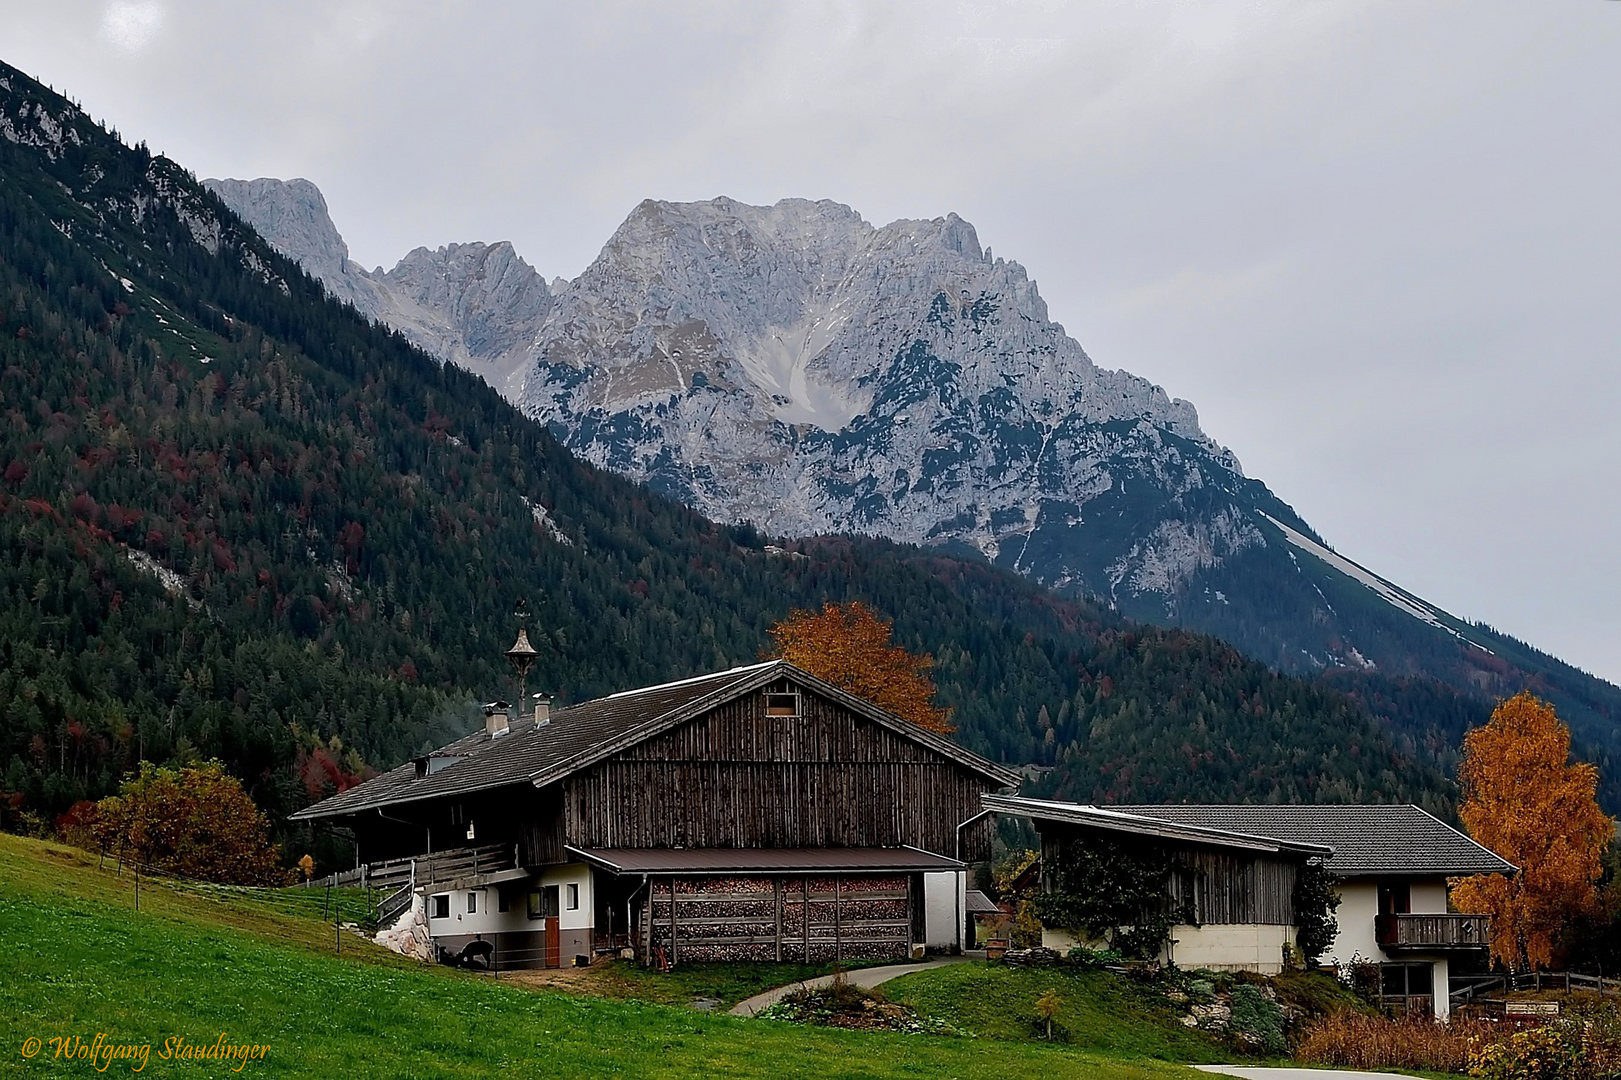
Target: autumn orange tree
{"type": "Point", "coordinates": [849, 646]}
{"type": "Point", "coordinates": [1525, 800]}
{"type": "Point", "coordinates": [196, 822]}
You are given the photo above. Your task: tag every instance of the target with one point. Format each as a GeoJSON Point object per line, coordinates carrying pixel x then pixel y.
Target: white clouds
{"type": "Point", "coordinates": [130, 25]}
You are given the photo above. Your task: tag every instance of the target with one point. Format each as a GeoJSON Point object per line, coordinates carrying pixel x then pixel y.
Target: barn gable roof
{"type": "Point", "coordinates": [584, 734]}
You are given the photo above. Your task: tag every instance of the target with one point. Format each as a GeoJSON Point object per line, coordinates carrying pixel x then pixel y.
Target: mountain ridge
{"type": "Point", "coordinates": [798, 368]}
{"type": "Point", "coordinates": [475, 305]}
{"type": "Point", "coordinates": [242, 521]}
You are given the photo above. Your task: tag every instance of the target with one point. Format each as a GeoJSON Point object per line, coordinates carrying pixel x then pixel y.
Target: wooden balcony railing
{"type": "Point", "coordinates": [441, 866]}
{"type": "Point", "coordinates": [1433, 931]}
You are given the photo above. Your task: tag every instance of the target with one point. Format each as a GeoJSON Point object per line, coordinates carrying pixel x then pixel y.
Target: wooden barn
{"type": "Point", "coordinates": [757, 813]}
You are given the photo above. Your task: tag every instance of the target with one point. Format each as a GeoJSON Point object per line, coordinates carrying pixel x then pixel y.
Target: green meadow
{"type": "Point", "coordinates": [76, 960]}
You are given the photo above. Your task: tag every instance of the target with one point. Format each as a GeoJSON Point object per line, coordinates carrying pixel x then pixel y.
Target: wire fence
{"type": "Point", "coordinates": [340, 906]}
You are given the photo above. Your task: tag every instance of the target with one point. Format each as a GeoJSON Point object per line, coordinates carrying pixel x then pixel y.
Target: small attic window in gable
{"type": "Point", "coordinates": [432, 763]}
{"type": "Point", "coordinates": [782, 704]}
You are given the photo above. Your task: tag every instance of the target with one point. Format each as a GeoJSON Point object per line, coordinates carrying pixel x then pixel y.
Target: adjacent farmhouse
{"type": "Point", "coordinates": [1238, 889]}
{"type": "Point", "coordinates": [751, 814]}
{"type": "Point", "coordinates": [1237, 868]}
{"type": "Point", "coordinates": [1392, 864]}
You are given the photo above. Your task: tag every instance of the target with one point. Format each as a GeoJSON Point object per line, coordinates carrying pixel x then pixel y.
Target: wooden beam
{"type": "Point", "coordinates": [838, 914]}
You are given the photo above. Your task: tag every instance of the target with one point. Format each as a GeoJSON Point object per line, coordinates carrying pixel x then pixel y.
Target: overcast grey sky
{"type": "Point", "coordinates": [1377, 243]}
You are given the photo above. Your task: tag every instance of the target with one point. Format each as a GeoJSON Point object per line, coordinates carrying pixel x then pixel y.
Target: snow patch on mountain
{"type": "Point", "coordinates": [1392, 595]}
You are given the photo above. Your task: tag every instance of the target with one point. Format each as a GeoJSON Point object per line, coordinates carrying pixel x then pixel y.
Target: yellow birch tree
{"type": "Point", "coordinates": [1524, 799]}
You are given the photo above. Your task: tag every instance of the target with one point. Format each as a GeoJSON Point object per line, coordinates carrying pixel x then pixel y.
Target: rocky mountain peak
{"type": "Point", "coordinates": [476, 305]}
{"type": "Point", "coordinates": [797, 367]}
{"type": "Point", "coordinates": [293, 216]}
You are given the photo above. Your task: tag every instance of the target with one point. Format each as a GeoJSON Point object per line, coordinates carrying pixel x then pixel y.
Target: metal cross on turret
{"type": "Point", "coordinates": [522, 655]}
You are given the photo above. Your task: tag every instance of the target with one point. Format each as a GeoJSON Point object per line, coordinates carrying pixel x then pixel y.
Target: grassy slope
{"type": "Point", "coordinates": [1100, 1012]}
{"type": "Point", "coordinates": [724, 984]}
{"type": "Point", "coordinates": [74, 958]}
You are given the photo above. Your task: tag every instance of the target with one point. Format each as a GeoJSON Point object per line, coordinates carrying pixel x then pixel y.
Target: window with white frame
{"type": "Point", "coordinates": [440, 906]}
{"type": "Point", "coordinates": [571, 896]}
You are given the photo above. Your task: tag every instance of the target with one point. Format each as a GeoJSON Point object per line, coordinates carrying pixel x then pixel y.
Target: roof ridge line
{"type": "Point", "coordinates": [1207, 831]}
{"type": "Point", "coordinates": [679, 682]}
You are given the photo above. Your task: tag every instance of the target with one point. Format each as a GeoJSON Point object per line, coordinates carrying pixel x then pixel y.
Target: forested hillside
{"type": "Point", "coordinates": [241, 522]}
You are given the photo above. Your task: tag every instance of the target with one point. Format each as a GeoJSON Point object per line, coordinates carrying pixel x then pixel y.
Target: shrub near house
{"type": "Point", "coordinates": [195, 821]}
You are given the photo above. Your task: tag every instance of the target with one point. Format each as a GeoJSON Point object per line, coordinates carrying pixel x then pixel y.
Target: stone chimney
{"type": "Point", "coordinates": [543, 709]}
{"type": "Point", "coordinates": [495, 718]}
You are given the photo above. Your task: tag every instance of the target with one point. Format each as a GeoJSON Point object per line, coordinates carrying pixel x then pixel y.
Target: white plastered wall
{"type": "Point", "coordinates": [1230, 947]}
{"type": "Point", "coordinates": [1358, 910]}
{"type": "Point", "coordinates": [944, 901]}
{"type": "Point", "coordinates": [488, 920]}
{"type": "Point", "coordinates": [1359, 904]}
{"type": "Point", "coordinates": [1219, 946]}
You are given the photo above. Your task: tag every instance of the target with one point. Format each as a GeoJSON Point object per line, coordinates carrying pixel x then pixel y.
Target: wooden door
{"type": "Point", "coordinates": [554, 944]}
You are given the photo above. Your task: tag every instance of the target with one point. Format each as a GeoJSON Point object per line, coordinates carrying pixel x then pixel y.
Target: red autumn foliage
{"type": "Point", "coordinates": [322, 774]}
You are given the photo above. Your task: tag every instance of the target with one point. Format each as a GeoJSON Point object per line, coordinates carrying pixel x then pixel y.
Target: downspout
{"type": "Point", "coordinates": [631, 897]}
{"type": "Point", "coordinates": [429, 834]}
{"type": "Point", "coordinates": [957, 894]}
{"type": "Point", "coordinates": [957, 850]}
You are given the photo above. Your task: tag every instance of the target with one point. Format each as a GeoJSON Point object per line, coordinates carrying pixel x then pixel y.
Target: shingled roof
{"type": "Point", "coordinates": [1383, 840]}
{"type": "Point", "coordinates": [583, 734]}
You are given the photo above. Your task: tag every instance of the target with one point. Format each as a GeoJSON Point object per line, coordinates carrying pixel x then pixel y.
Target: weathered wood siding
{"type": "Point", "coordinates": [540, 831]}
{"type": "Point", "coordinates": [810, 918]}
{"type": "Point", "coordinates": [1231, 888]}
{"type": "Point", "coordinates": [1224, 886]}
{"type": "Point", "coordinates": [734, 777]}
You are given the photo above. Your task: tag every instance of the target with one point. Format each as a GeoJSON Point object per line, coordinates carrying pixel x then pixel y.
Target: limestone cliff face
{"type": "Point", "coordinates": [798, 368]}
{"type": "Point", "coordinates": [479, 306]}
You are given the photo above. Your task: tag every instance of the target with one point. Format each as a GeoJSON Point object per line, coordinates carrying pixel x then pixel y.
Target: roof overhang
{"type": "Point", "coordinates": [314, 812]}
{"type": "Point", "coordinates": [1097, 817]}
{"type": "Point", "coordinates": [766, 861]}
